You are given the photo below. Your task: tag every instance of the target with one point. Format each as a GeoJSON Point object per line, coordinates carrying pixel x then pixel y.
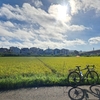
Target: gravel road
{"type": "Point", "coordinates": [53, 93]}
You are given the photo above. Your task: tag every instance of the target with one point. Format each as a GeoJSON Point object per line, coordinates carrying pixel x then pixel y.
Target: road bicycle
{"type": "Point", "coordinates": [75, 77]}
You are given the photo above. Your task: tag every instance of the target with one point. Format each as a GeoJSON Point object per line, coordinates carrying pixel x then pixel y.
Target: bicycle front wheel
{"type": "Point", "coordinates": [74, 79]}
{"type": "Point", "coordinates": [92, 77]}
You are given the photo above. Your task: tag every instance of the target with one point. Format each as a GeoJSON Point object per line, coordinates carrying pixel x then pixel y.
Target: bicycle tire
{"type": "Point", "coordinates": [92, 77]}
{"type": "Point", "coordinates": [74, 79]}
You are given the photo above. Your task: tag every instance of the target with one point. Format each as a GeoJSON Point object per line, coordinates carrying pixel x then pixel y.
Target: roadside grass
{"type": "Point", "coordinates": [16, 82]}
{"type": "Point", "coordinates": [19, 72]}
{"type": "Point", "coordinates": [20, 81]}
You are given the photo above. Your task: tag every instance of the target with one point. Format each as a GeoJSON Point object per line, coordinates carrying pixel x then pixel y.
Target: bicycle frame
{"type": "Point", "coordinates": [87, 68]}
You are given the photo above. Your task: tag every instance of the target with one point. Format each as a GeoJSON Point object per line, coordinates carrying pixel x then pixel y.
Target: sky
{"type": "Point", "coordinates": [69, 24]}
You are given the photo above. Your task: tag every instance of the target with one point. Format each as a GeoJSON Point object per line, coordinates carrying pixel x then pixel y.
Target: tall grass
{"type": "Point", "coordinates": [17, 72]}
{"type": "Point", "coordinates": [33, 81]}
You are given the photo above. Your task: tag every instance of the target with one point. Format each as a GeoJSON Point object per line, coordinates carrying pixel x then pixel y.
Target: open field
{"type": "Point", "coordinates": [16, 72]}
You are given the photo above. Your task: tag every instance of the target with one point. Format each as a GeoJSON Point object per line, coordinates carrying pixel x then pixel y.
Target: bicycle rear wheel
{"type": "Point", "coordinates": [92, 77]}
{"type": "Point", "coordinates": [74, 79]}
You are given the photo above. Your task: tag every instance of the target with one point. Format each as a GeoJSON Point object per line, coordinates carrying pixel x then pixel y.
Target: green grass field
{"type": "Point", "coordinates": [17, 72]}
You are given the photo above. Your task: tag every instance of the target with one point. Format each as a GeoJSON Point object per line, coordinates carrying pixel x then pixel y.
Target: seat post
{"type": "Point", "coordinates": [78, 67]}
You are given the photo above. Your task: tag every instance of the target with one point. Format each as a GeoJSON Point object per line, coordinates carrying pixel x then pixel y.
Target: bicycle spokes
{"type": "Point", "coordinates": [92, 77]}
{"type": "Point", "coordinates": [74, 78]}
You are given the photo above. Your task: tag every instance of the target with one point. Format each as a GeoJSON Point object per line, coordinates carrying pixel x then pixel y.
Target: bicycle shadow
{"type": "Point", "coordinates": [78, 93]}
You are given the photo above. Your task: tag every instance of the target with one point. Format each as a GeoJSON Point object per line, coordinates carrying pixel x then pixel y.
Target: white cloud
{"type": "Point", "coordinates": [90, 4]}
{"type": "Point", "coordinates": [74, 42]}
{"type": "Point", "coordinates": [94, 40]}
{"type": "Point", "coordinates": [37, 3]}
{"type": "Point", "coordinates": [63, 44]}
{"type": "Point", "coordinates": [12, 13]}
{"type": "Point", "coordinates": [7, 44]}
{"type": "Point", "coordinates": [73, 6]}
{"type": "Point", "coordinates": [3, 39]}
{"type": "Point", "coordinates": [7, 24]}
{"type": "Point", "coordinates": [48, 31]}
{"type": "Point", "coordinates": [84, 5]}
{"type": "Point", "coordinates": [78, 28]}
{"type": "Point", "coordinates": [32, 15]}
{"type": "Point", "coordinates": [5, 32]}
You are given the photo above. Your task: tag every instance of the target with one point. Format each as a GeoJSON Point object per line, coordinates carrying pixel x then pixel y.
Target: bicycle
{"type": "Point", "coordinates": [75, 76]}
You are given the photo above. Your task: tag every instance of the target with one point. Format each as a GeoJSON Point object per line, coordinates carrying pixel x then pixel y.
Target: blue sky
{"type": "Point", "coordinates": [69, 24]}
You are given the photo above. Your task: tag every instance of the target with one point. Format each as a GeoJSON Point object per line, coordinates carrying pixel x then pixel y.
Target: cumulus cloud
{"type": "Point", "coordinates": [37, 3]}
{"type": "Point", "coordinates": [42, 29]}
{"type": "Point", "coordinates": [94, 40]}
{"type": "Point", "coordinates": [84, 5]}
{"type": "Point", "coordinates": [11, 13]}
{"type": "Point", "coordinates": [7, 24]}
{"type": "Point", "coordinates": [73, 6]}
{"type": "Point", "coordinates": [7, 44]}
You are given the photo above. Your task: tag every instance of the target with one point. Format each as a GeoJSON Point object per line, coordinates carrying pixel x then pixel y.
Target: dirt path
{"type": "Point", "coordinates": [53, 93]}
